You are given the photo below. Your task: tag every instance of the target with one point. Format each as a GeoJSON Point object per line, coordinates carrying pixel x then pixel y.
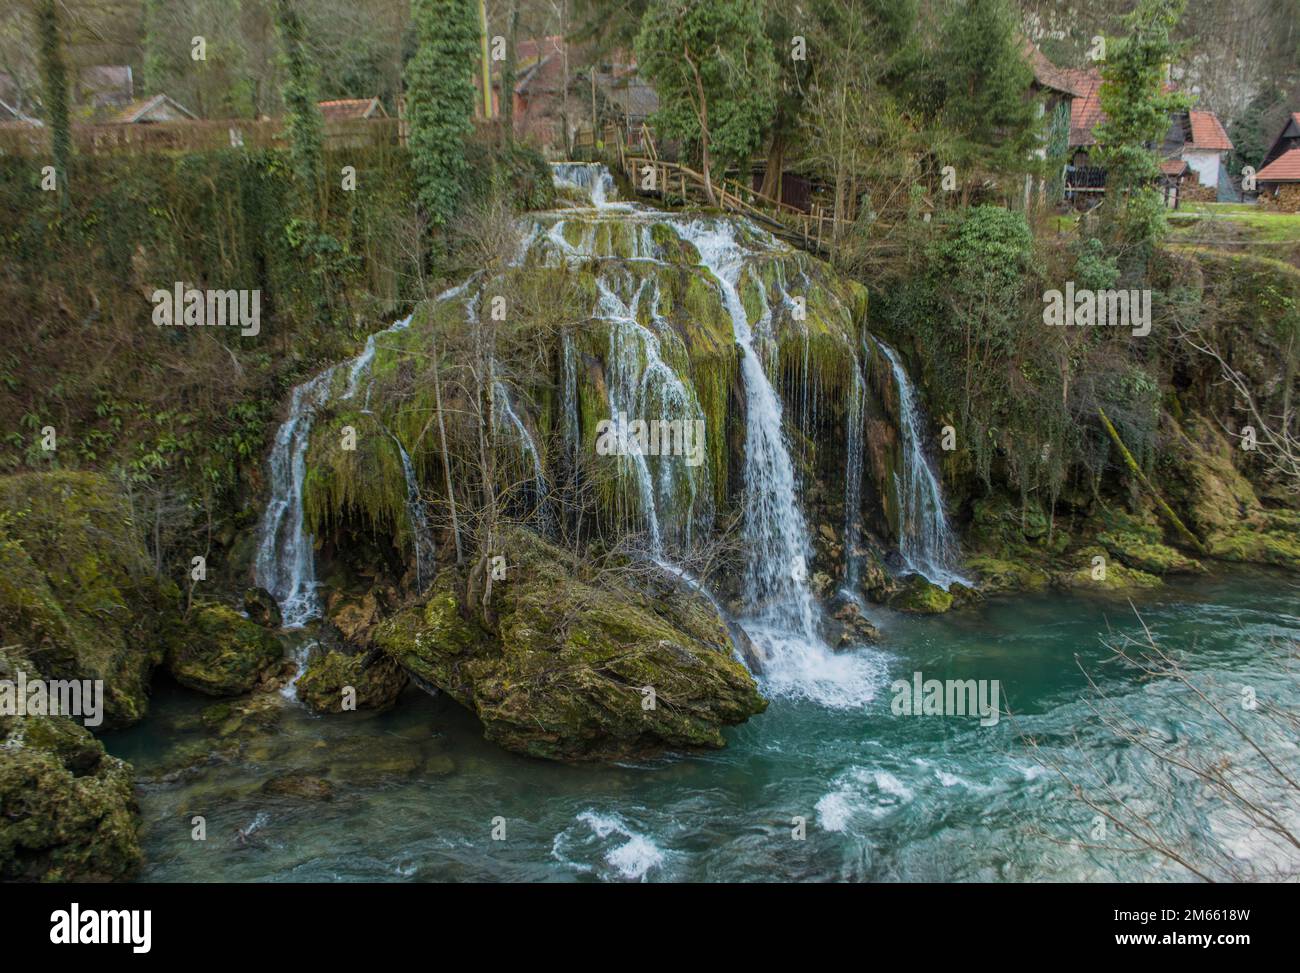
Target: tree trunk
{"type": "Point", "coordinates": [508, 75]}
{"type": "Point", "coordinates": [483, 51]}
{"type": "Point", "coordinates": [772, 177]}
{"type": "Point", "coordinates": [702, 116]}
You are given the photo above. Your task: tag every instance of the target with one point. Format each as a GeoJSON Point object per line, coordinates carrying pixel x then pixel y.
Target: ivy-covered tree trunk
{"type": "Point", "coordinates": [304, 121]}
{"type": "Point", "coordinates": [508, 70]}
{"type": "Point", "coordinates": [440, 101]}
{"type": "Point", "coordinates": [54, 78]}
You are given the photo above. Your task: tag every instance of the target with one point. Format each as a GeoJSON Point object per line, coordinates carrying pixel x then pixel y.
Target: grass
{"type": "Point", "coordinates": [1235, 223]}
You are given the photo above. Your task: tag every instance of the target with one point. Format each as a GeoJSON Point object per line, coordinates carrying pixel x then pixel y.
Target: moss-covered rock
{"type": "Point", "coordinates": [920, 597]}
{"type": "Point", "coordinates": [1097, 571]}
{"type": "Point", "coordinates": [77, 589]}
{"type": "Point", "coordinates": [1220, 504]}
{"type": "Point", "coordinates": [375, 680]}
{"type": "Point", "coordinates": [221, 653]}
{"type": "Point", "coordinates": [260, 607]}
{"type": "Point", "coordinates": [67, 809]}
{"type": "Point", "coordinates": [567, 669]}
{"type": "Point", "coordinates": [1000, 575]}
{"type": "Point", "coordinates": [1141, 552]}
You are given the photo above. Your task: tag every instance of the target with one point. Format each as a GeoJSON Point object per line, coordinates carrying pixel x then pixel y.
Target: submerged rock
{"type": "Point", "coordinates": [376, 680]}
{"type": "Point", "coordinates": [577, 667]}
{"type": "Point", "coordinates": [921, 597]}
{"type": "Point", "coordinates": [222, 653]}
{"type": "Point", "coordinates": [302, 786]}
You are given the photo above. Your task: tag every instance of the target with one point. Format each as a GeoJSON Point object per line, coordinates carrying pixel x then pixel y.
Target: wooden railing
{"type": "Point", "coordinates": [650, 175]}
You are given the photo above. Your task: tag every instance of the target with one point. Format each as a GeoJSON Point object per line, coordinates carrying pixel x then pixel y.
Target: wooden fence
{"type": "Point", "coordinates": [195, 136]}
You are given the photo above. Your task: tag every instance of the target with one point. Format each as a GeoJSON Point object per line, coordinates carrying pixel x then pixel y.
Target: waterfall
{"type": "Point", "coordinates": [641, 385]}
{"type": "Point", "coordinates": [569, 367]}
{"type": "Point", "coordinates": [361, 364]}
{"type": "Point", "coordinates": [285, 565]}
{"type": "Point", "coordinates": [421, 535]}
{"type": "Point", "coordinates": [853, 479]}
{"type": "Point", "coordinates": [781, 617]}
{"type": "Point", "coordinates": [925, 540]}
{"type": "Point", "coordinates": [589, 177]}
{"type": "Point", "coordinates": [505, 410]}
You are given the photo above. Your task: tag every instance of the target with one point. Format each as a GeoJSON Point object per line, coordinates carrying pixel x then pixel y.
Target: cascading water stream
{"type": "Point", "coordinates": [641, 385]}
{"type": "Point", "coordinates": [591, 178]}
{"type": "Point", "coordinates": [505, 410]}
{"type": "Point", "coordinates": [286, 565]}
{"type": "Point", "coordinates": [853, 481]}
{"type": "Point", "coordinates": [925, 540]}
{"type": "Point", "coordinates": [361, 364]}
{"type": "Point", "coordinates": [781, 615]}
{"type": "Point", "coordinates": [422, 537]}
{"type": "Point", "coordinates": [781, 619]}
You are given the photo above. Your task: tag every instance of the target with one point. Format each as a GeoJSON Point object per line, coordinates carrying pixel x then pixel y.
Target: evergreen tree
{"type": "Point", "coordinates": [1137, 107]}
{"type": "Point", "coordinates": [54, 79]}
{"type": "Point", "coordinates": [440, 101]}
{"type": "Point", "coordinates": [988, 119]}
{"type": "Point", "coordinates": [1252, 133]}
{"type": "Point", "coordinates": [305, 124]}
{"type": "Point", "coordinates": [715, 73]}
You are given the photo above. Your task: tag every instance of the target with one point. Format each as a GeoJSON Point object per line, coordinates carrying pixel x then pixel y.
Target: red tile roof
{"type": "Point", "coordinates": [351, 108]}
{"type": "Point", "coordinates": [1285, 168]}
{"type": "Point", "coordinates": [1085, 109]}
{"type": "Point", "coordinates": [1208, 133]}
{"type": "Point", "coordinates": [1046, 74]}
{"type": "Point", "coordinates": [1173, 167]}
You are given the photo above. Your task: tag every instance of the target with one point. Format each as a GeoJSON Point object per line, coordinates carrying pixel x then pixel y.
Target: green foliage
{"type": "Point", "coordinates": [54, 78]}
{"type": "Point", "coordinates": [715, 73]}
{"type": "Point", "coordinates": [982, 80]}
{"type": "Point", "coordinates": [304, 122]}
{"type": "Point", "coordinates": [1137, 108]}
{"type": "Point", "coordinates": [1253, 131]}
{"type": "Point", "coordinates": [440, 101]}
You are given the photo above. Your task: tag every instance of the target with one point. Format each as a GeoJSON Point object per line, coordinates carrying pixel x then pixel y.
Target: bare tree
{"type": "Point", "coordinates": [1236, 767]}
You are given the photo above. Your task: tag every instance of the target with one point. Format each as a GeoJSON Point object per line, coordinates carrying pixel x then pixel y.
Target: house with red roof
{"type": "Point", "coordinates": [344, 109]}
{"type": "Point", "coordinates": [1279, 176]}
{"type": "Point", "coordinates": [1195, 146]}
{"type": "Point", "coordinates": [1204, 145]}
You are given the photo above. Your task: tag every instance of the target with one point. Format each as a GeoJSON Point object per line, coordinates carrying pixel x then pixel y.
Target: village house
{"type": "Point", "coordinates": [1193, 152]}
{"type": "Point", "coordinates": [347, 109]}
{"type": "Point", "coordinates": [1278, 179]}
{"type": "Point", "coordinates": [149, 111]}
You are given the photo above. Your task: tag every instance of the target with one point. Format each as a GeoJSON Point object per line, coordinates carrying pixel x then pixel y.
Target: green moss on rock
{"type": "Point", "coordinates": [77, 589]}
{"type": "Point", "coordinates": [221, 653]}
{"type": "Point", "coordinates": [918, 596]}
{"type": "Point", "coordinates": [562, 673]}
{"type": "Point", "coordinates": [376, 682]}
{"type": "Point", "coordinates": [67, 809]}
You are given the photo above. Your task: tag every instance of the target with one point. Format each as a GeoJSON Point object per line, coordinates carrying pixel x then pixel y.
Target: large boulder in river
{"type": "Point", "coordinates": [577, 666]}
{"type": "Point", "coordinates": [221, 653]}
{"type": "Point", "coordinates": [375, 681]}
{"type": "Point", "coordinates": [77, 589]}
